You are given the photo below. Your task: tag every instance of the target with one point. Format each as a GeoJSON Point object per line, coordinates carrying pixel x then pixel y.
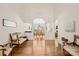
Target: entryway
{"type": "Point", "coordinates": [39, 28]}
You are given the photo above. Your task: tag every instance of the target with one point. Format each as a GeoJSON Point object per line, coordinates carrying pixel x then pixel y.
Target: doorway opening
{"type": "Point", "coordinates": [39, 28]}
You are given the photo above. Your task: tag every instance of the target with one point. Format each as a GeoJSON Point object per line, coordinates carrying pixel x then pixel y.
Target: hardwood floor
{"type": "Point", "coordinates": [37, 48]}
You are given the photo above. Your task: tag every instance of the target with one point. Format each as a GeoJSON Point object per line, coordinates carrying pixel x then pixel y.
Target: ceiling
{"type": "Point", "coordinates": [48, 11]}
{"type": "Point", "coordinates": [67, 9]}
{"type": "Point", "coordinates": [30, 11]}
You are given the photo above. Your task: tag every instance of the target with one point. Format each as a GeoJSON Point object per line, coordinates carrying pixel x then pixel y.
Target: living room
{"type": "Point", "coordinates": [39, 29]}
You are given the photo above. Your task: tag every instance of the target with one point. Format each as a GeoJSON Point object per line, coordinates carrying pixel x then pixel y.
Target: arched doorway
{"type": "Point", "coordinates": [39, 28]}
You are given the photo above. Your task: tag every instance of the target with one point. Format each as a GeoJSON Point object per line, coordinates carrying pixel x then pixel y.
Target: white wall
{"type": "Point", "coordinates": [7, 12]}
{"type": "Point", "coordinates": [69, 12]}
{"type": "Point", "coordinates": [5, 31]}
{"type": "Point", "coordinates": [61, 29]}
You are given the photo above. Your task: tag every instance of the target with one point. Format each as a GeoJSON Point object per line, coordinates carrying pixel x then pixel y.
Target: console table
{"type": "Point", "coordinates": [71, 50]}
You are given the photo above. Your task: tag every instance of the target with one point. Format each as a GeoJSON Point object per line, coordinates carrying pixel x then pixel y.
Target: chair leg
{"type": "Point", "coordinates": [3, 53]}
{"type": "Point", "coordinates": [11, 53]}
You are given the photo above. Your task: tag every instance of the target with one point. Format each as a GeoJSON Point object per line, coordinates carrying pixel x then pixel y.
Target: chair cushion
{"type": "Point", "coordinates": [22, 40]}
{"type": "Point", "coordinates": [8, 50]}
{"type": "Point", "coordinates": [77, 41]}
{"type": "Point", "coordinates": [14, 37]}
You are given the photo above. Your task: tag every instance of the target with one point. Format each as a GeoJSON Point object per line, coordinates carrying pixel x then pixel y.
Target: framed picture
{"type": "Point", "coordinates": [9, 23]}
{"type": "Point", "coordinates": [28, 27]}
{"type": "Point", "coordinates": [70, 26]}
{"type": "Point", "coordinates": [48, 27]}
